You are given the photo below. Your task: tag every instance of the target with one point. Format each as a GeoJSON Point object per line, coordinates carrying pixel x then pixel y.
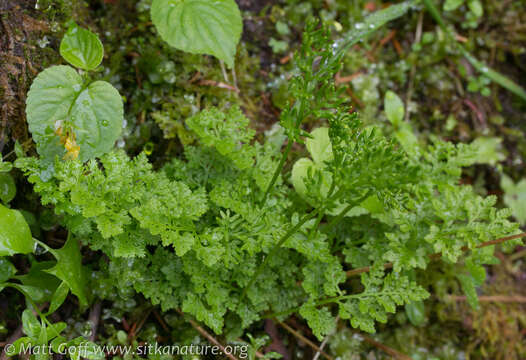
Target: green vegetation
{"type": "Point", "coordinates": [355, 174]}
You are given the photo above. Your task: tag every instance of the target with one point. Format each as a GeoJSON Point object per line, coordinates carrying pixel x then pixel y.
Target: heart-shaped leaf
{"type": "Point", "coordinates": [15, 235]}
{"type": "Point", "coordinates": [200, 26]}
{"type": "Point", "coordinates": [81, 48]}
{"type": "Point", "coordinates": [58, 97]}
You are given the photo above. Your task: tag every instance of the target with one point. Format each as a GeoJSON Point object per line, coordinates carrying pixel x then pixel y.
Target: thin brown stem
{"type": "Point", "coordinates": [94, 318]}
{"type": "Point", "coordinates": [304, 340]}
{"type": "Point", "coordinates": [492, 298]}
{"type": "Point", "coordinates": [390, 351]}
{"type": "Point", "coordinates": [209, 337]}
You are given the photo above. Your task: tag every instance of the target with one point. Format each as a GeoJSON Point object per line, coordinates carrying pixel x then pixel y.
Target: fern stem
{"type": "Point", "coordinates": [274, 249]}
{"type": "Point", "coordinates": [387, 266]}
{"type": "Point", "coordinates": [278, 170]}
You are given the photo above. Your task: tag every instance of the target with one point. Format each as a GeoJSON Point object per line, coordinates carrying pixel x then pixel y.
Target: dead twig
{"type": "Point", "coordinates": [492, 298]}
{"type": "Point", "coordinates": [219, 84]}
{"type": "Point", "coordinates": [354, 98]}
{"type": "Point", "coordinates": [390, 351]}
{"type": "Point", "coordinates": [304, 340]}
{"type": "Point", "coordinates": [161, 321]}
{"type": "Point", "coordinates": [94, 318]}
{"type": "Point", "coordinates": [409, 95]}
{"type": "Point", "coordinates": [478, 113]}
{"type": "Point", "coordinates": [209, 337]}
{"type": "Point", "coordinates": [345, 79]}
{"type": "Point", "coordinates": [136, 327]}
{"type": "Point", "coordinates": [324, 342]}
{"type": "Point", "coordinates": [434, 256]}
{"type": "Point", "coordinates": [517, 255]}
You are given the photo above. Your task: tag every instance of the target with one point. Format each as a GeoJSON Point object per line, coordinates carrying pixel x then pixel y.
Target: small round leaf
{"type": "Point", "coordinates": [95, 111]}
{"type": "Point", "coordinates": [200, 26]}
{"type": "Point", "coordinates": [81, 48]}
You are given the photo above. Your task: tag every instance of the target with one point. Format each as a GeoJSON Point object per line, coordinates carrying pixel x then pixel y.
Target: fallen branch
{"type": "Point", "coordinates": [434, 256]}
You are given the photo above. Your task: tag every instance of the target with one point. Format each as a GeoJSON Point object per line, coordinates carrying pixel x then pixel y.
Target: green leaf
{"type": "Point", "coordinates": [515, 197]}
{"type": "Point", "coordinates": [468, 284]}
{"type": "Point", "coordinates": [7, 270]}
{"type": "Point", "coordinates": [81, 48]}
{"type": "Point", "coordinates": [85, 349]}
{"type": "Point", "coordinates": [416, 313]}
{"type": "Point", "coordinates": [373, 22]}
{"type": "Point", "coordinates": [42, 337]}
{"type": "Point", "coordinates": [38, 279]}
{"type": "Point", "coordinates": [320, 320]}
{"type": "Point", "coordinates": [19, 151]}
{"type": "Point", "coordinates": [7, 187]}
{"type": "Point", "coordinates": [319, 146]}
{"type": "Point", "coordinates": [21, 344]}
{"type": "Point", "coordinates": [69, 269]}
{"type": "Point", "coordinates": [34, 293]}
{"type": "Point", "coordinates": [488, 150]}
{"type": "Point", "coordinates": [5, 166]}
{"type": "Point", "coordinates": [15, 235]}
{"type": "Point", "coordinates": [59, 297]}
{"type": "Point", "coordinates": [451, 5]}
{"type": "Point", "coordinates": [476, 7]}
{"type": "Point", "coordinates": [31, 325]}
{"type": "Point", "coordinates": [228, 132]}
{"type": "Point", "coordinates": [394, 108]}
{"type": "Point", "coordinates": [59, 98]}
{"type": "Point", "coordinates": [200, 26]}
{"type": "Point", "coordinates": [300, 171]}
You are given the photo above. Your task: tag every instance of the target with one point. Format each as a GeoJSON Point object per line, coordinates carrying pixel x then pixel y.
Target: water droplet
{"type": "Point", "coordinates": [484, 69]}
{"type": "Point", "coordinates": [77, 87]}
{"type": "Point", "coordinates": [359, 26]}
{"type": "Point", "coordinates": [105, 122]}
{"type": "Point", "coordinates": [39, 250]}
{"type": "Point", "coordinates": [372, 26]}
{"type": "Point", "coordinates": [120, 143]}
